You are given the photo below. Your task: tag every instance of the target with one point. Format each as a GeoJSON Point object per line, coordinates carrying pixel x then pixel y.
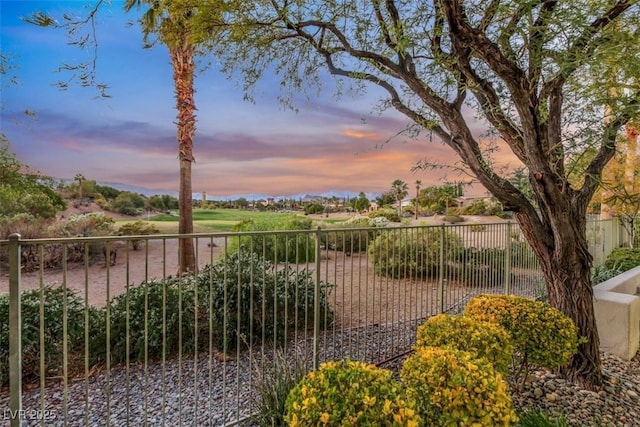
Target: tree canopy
{"type": "Point", "coordinates": [23, 190]}
{"type": "Point", "coordinates": [537, 74]}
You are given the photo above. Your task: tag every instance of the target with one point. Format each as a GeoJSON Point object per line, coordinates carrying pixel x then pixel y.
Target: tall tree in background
{"type": "Point", "coordinates": [418, 185]}
{"type": "Point", "coordinates": [171, 22]}
{"type": "Point", "coordinates": [532, 70]}
{"type": "Point", "coordinates": [399, 189]}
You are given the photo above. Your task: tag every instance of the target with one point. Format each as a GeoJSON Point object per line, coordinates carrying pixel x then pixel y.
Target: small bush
{"type": "Point", "coordinates": [483, 339]}
{"type": "Point", "coordinates": [478, 228]}
{"type": "Point", "coordinates": [272, 385]}
{"type": "Point", "coordinates": [480, 266]}
{"type": "Point", "coordinates": [54, 302]}
{"type": "Point", "coordinates": [602, 274]}
{"type": "Point", "coordinates": [348, 241]}
{"type": "Point", "coordinates": [349, 393]}
{"type": "Point", "coordinates": [412, 253]}
{"type": "Point", "coordinates": [542, 335]}
{"type": "Point", "coordinates": [137, 228]}
{"type": "Point", "coordinates": [164, 311]}
{"type": "Point", "coordinates": [253, 301]}
{"type": "Point", "coordinates": [453, 219]}
{"type": "Point", "coordinates": [390, 214]}
{"type": "Point", "coordinates": [454, 388]}
{"type": "Point", "coordinates": [538, 418]}
{"type": "Point", "coordinates": [623, 259]}
{"type": "Point", "coordinates": [279, 246]}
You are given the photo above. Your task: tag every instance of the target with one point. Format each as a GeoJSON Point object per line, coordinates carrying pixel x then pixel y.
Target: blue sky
{"type": "Point", "coordinates": [240, 147]}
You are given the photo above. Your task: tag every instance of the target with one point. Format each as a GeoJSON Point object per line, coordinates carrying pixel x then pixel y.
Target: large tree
{"type": "Point", "coordinates": [535, 71]}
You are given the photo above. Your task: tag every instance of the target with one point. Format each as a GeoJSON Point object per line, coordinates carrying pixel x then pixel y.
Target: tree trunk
{"type": "Point", "coordinates": [183, 74]}
{"type": "Point", "coordinates": [567, 272]}
{"type": "Point", "coordinates": [186, 253]}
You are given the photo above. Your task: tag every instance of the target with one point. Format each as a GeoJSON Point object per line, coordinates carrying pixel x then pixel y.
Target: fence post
{"type": "Point", "coordinates": [15, 333]}
{"type": "Point", "coordinates": [441, 272]}
{"type": "Point", "coordinates": [507, 261]}
{"type": "Point", "coordinates": [316, 304]}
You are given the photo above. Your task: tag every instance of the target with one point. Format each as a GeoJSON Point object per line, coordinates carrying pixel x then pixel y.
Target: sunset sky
{"type": "Point", "coordinates": [240, 147]}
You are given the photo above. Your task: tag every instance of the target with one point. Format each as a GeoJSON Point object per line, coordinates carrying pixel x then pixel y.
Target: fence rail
{"type": "Point", "coordinates": [111, 335]}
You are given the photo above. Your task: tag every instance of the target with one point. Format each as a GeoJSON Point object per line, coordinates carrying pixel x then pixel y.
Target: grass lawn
{"type": "Point", "coordinates": [212, 220]}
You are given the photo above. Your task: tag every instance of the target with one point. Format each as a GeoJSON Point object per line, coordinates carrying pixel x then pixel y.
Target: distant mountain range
{"type": "Point", "coordinates": [253, 196]}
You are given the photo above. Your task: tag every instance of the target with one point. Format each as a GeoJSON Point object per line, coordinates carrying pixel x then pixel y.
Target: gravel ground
{"type": "Point", "coordinates": [219, 391]}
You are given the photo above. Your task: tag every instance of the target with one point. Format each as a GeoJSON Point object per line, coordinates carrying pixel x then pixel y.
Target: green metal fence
{"type": "Point", "coordinates": [111, 335]}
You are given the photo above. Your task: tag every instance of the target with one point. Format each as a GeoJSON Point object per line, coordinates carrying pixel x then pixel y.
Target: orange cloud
{"type": "Point", "coordinates": [352, 133]}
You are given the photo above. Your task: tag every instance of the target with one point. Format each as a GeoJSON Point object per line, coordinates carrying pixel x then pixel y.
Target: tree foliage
{"type": "Point", "coordinates": [538, 75]}
{"type": "Point", "coordinates": [23, 190]}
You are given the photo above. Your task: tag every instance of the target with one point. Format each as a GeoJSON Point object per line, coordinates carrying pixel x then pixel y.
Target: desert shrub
{"type": "Point", "coordinates": [137, 228]}
{"type": "Point", "coordinates": [480, 266]}
{"type": "Point", "coordinates": [602, 274]}
{"type": "Point", "coordinates": [477, 207]}
{"type": "Point", "coordinates": [412, 253]}
{"type": "Point", "coordinates": [85, 225]}
{"type": "Point", "coordinates": [623, 259]}
{"type": "Point", "coordinates": [389, 214]}
{"type": "Point", "coordinates": [485, 340]}
{"type": "Point", "coordinates": [54, 302]}
{"type": "Point", "coordinates": [454, 388]}
{"type": "Point", "coordinates": [278, 246]}
{"type": "Point", "coordinates": [522, 255]}
{"type": "Point", "coordinates": [538, 418]}
{"type": "Point", "coordinates": [452, 219]}
{"type": "Point", "coordinates": [271, 385]}
{"type": "Point", "coordinates": [478, 228]}
{"type": "Point", "coordinates": [348, 241]}
{"type": "Point", "coordinates": [542, 335]}
{"type": "Point", "coordinates": [313, 208]}
{"type": "Point", "coordinates": [349, 393]}
{"type": "Point", "coordinates": [162, 310]}
{"type": "Point", "coordinates": [254, 301]}
{"type": "Point", "coordinates": [27, 225]}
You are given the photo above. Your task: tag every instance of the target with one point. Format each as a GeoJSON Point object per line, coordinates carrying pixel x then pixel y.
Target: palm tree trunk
{"type": "Point", "coordinates": [183, 74]}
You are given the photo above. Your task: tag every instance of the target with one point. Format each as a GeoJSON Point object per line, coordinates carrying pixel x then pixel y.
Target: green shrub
{"type": "Point", "coordinates": [483, 339]}
{"type": "Point", "coordinates": [349, 393]}
{"type": "Point", "coordinates": [389, 214]}
{"type": "Point", "coordinates": [85, 225]}
{"type": "Point", "coordinates": [542, 335]}
{"type": "Point", "coordinates": [54, 302]}
{"type": "Point", "coordinates": [522, 255]}
{"type": "Point", "coordinates": [602, 274]}
{"type": "Point", "coordinates": [538, 418]}
{"type": "Point", "coordinates": [413, 253]}
{"type": "Point", "coordinates": [623, 259]}
{"type": "Point", "coordinates": [480, 266]}
{"type": "Point", "coordinates": [348, 241]}
{"type": "Point", "coordinates": [453, 219]}
{"type": "Point", "coordinates": [137, 228]}
{"type": "Point", "coordinates": [454, 388]}
{"type": "Point", "coordinates": [313, 209]}
{"type": "Point", "coordinates": [254, 301]}
{"type": "Point", "coordinates": [271, 385]}
{"type": "Point", "coordinates": [478, 228]}
{"type": "Point", "coordinates": [163, 311]}
{"type": "Point", "coordinates": [278, 246]}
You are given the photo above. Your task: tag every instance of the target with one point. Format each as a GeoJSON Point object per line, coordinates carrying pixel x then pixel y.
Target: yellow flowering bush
{"type": "Point", "coordinates": [487, 340]}
{"type": "Point", "coordinates": [454, 388]}
{"type": "Point", "coordinates": [542, 335]}
{"type": "Point", "coordinates": [349, 393]}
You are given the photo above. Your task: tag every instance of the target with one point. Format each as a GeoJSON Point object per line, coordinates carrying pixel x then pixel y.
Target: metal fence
{"type": "Point", "coordinates": [111, 335]}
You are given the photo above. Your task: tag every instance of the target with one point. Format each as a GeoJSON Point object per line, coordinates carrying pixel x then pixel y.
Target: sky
{"type": "Point", "coordinates": [241, 147]}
